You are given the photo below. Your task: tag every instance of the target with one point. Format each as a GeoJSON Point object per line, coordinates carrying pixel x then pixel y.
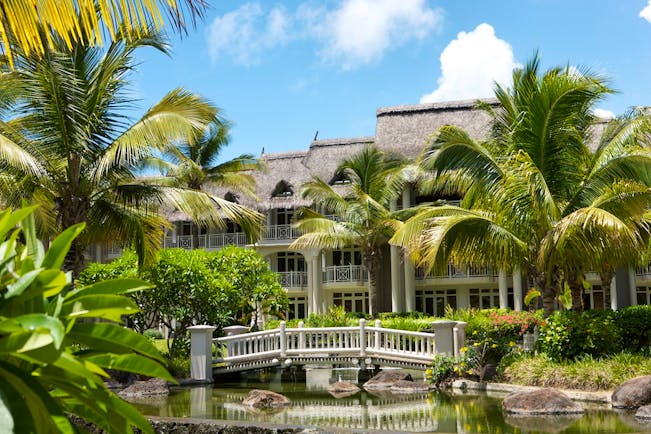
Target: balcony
{"type": "Point", "coordinates": [345, 274]}
{"type": "Point", "coordinates": [643, 273]}
{"type": "Point", "coordinates": [455, 272]}
{"type": "Point", "coordinates": [208, 242]}
{"type": "Point", "coordinates": [292, 279]}
{"type": "Point", "coordinates": [274, 233]}
{"type": "Point", "coordinates": [111, 251]}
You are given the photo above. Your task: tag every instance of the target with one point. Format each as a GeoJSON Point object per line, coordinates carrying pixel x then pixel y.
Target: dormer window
{"type": "Point", "coordinates": [339, 179]}
{"type": "Point", "coordinates": [283, 189]}
{"type": "Point", "coordinates": [231, 197]}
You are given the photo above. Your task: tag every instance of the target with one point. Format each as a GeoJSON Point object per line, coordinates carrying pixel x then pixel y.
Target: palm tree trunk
{"type": "Point", "coordinates": [575, 282]}
{"type": "Point", "coordinates": [371, 263]}
{"type": "Point", "coordinates": [549, 290]}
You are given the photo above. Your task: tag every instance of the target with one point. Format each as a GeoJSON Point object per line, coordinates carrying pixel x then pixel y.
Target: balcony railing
{"type": "Point", "coordinates": [345, 274]}
{"type": "Point", "coordinates": [280, 232]}
{"type": "Point", "coordinates": [455, 272]}
{"type": "Point", "coordinates": [643, 271]}
{"type": "Point", "coordinates": [210, 241]}
{"type": "Point", "coordinates": [292, 279]}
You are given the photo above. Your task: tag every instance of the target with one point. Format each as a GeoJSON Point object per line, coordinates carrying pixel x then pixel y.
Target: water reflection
{"type": "Point", "coordinates": [431, 412]}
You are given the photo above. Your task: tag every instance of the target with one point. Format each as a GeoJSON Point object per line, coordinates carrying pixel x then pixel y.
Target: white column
{"type": "Point", "coordinates": [517, 289]}
{"type": "Point", "coordinates": [201, 352]}
{"type": "Point", "coordinates": [98, 253]}
{"type": "Point", "coordinates": [397, 294]}
{"type": "Point", "coordinates": [503, 288]}
{"type": "Point", "coordinates": [410, 280]}
{"type": "Point", "coordinates": [310, 285]}
{"type": "Point", "coordinates": [317, 284]}
{"type": "Point", "coordinates": [632, 290]}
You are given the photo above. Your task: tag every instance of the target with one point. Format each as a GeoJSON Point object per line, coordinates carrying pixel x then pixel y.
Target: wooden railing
{"type": "Point", "coordinates": [292, 279]}
{"type": "Point", "coordinates": [456, 272]}
{"type": "Point", "coordinates": [280, 232]}
{"type": "Point", "coordinates": [209, 241]}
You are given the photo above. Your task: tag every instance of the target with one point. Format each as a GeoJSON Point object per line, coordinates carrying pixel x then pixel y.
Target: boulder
{"type": "Point", "coordinates": [152, 387]}
{"type": "Point", "coordinates": [342, 389]}
{"type": "Point", "coordinates": [633, 393]}
{"type": "Point", "coordinates": [406, 386]}
{"type": "Point", "coordinates": [643, 412]}
{"type": "Point", "coordinates": [541, 401]}
{"type": "Point", "coordinates": [258, 398]}
{"type": "Point", "coordinates": [386, 379]}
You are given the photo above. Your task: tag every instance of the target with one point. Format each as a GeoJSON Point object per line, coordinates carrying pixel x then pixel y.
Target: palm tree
{"type": "Point", "coordinates": [361, 210]}
{"type": "Point", "coordinates": [33, 25]}
{"type": "Point", "coordinates": [193, 165]}
{"type": "Point", "coordinates": [67, 145]}
{"type": "Point", "coordinates": [535, 196]}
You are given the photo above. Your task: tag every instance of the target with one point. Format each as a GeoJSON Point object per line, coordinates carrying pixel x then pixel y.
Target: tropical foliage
{"type": "Point", "coordinates": [54, 351]}
{"type": "Point", "coordinates": [232, 285]}
{"type": "Point", "coordinates": [535, 196]}
{"type": "Point", "coordinates": [68, 146]}
{"type": "Point", "coordinates": [32, 26]}
{"type": "Point", "coordinates": [361, 210]}
{"type": "Point", "coordinates": [193, 165]}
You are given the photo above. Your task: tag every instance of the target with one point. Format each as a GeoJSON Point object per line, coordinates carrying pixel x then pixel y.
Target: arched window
{"type": "Point", "coordinates": [283, 189]}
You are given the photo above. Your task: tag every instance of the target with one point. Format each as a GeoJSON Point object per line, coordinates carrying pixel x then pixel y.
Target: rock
{"type": "Point", "coordinates": [643, 412]}
{"type": "Point", "coordinates": [342, 389]}
{"type": "Point", "coordinates": [406, 386]}
{"type": "Point", "coordinates": [386, 379]}
{"type": "Point", "coordinates": [633, 393]}
{"type": "Point", "coordinates": [153, 387]}
{"type": "Point", "coordinates": [542, 401]}
{"type": "Point", "coordinates": [258, 398]}
{"type": "Point", "coordinates": [542, 422]}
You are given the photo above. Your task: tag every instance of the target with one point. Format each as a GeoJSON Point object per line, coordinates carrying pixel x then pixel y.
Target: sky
{"type": "Point", "coordinates": [281, 71]}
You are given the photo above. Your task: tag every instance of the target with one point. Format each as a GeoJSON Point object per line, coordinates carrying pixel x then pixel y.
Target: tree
{"type": "Point", "coordinates": [68, 146]}
{"type": "Point", "coordinates": [54, 351]}
{"type": "Point", "coordinates": [257, 290]}
{"type": "Point", "coordinates": [361, 210]}
{"type": "Point", "coordinates": [534, 195]}
{"type": "Point", "coordinates": [193, 165]}
{"type": "Point", "coordinates": [33, 25]}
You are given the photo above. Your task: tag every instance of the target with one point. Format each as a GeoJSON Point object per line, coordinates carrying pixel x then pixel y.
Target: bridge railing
{"type": "Point", "coordinates": [362, 342]}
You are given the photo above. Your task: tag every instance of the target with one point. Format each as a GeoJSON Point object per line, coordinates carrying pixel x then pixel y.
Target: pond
{"type": "Point", "coordinates": [312, 405]}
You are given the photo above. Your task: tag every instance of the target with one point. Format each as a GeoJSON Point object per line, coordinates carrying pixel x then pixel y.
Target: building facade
{"type": "Point", "coordinates": [316, 279]}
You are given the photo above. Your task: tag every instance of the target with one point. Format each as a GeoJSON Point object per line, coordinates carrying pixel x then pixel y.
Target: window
{"type": "Point", "coordinates": [643, 294]}
{"type": "Point", "coordinates": [283, 189]}
{"type": "Point", "coordinates": [434, 302]}
{"type": "Point", "coordinates": [340, 179]}
{"type": "Point", "coordinates": [351, 301]}
{"type": "Point", "coordinates": [284, 216]}
{"type": "Point", "coordinates": [593, 298]}
{"type": "Point", "coordinates": [297, 308]}
{"type": "Point", "coordinates": [347, 257]}
{"type": "Point", "coordinates": [484, 298]}
{"type": "Point", "coordinates": [290, 261]}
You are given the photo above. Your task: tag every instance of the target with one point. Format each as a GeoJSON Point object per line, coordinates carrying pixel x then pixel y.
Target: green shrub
{"type": "Point", "coordinates": [179, 366]}
{"type": "Point", "coordinates": [568, 335]}
{"type": "Point", "coordinates": [635, 325]}
{"type": "Point", "coordinates": [441, 370]}
{"type": "Point", "coordinates": [153, 334]}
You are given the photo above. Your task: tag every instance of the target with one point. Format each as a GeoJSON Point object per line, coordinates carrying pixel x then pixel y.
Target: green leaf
{"type": "Point", "coordinates": [43, 410]}
{"type": "Point", "coordinates": [131, 363]}
{"type": "Point", "coordinates": [110, 307]}
{"type": "Point", "coordinates": [112, 338]}
{"type": "Point", "coordinates": [9, 220]}
{"type": "Point", "coordinates": [60, 246]}
{"type": "Point", "coordinates": [21, 284]}
{"type": "Point", "coordinates": [109, 287]}
{"type": "Point", "coordinates": [11, 404]}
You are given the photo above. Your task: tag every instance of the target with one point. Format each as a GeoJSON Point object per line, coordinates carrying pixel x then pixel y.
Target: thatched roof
{"type": "Point", "coordinates": [406, 129]}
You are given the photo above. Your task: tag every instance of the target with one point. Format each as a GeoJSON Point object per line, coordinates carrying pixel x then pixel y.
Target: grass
{"type": "Point", "coordinates": [586, 373]}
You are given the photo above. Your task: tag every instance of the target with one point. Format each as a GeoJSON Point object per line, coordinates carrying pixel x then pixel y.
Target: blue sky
{"type": "Point", "coordinates": [280, 71]}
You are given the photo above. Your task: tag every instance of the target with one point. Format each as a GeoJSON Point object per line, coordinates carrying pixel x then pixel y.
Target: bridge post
{"type": "Point", "coordinates": [459, 337]}
{"type": "Point", "coordinates": [201, 353]}
{"type": "Point", "coordinates": [362, 337]}
{"type": "Point", "coordinates": [301, 336]}
{"type": "Point", "coordinates": [283, 339]}
{"type": "Point", "coordinates": [378, 341]}
{"type": "Point", "coordinates": [444, 336]}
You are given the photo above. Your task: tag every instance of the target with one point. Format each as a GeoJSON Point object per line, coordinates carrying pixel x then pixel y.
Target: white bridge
{"type": "Point", "coordinates": [361, 346]}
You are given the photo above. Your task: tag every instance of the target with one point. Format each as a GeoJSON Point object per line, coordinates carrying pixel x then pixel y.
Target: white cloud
{"type": "Point", "coordinates": [361, 31]}
{"type": "Point", "coordinates": [246, 32]}
{"type": "Point", "coordinates": [602, 113]}
{"type": "Point", "coordinates": [646, 12]}
{"type": "Point", "coordinates": [471, 64]}
{"type": "Point", "coordinates": [353, 33]}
